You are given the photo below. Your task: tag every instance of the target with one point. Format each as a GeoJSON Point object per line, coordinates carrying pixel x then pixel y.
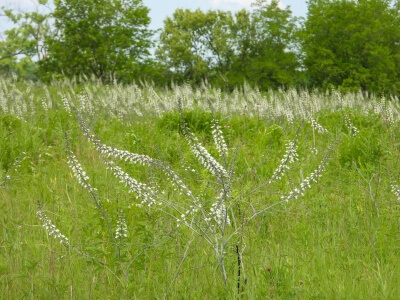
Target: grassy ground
{"type": "Point", "coordinates": [339, 241]}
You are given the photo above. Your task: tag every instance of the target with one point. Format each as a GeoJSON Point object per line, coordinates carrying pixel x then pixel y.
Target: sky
{"type": "Point", "coordinates": [160, 9]}
{"type": "Point", "coordinates": [158, 12]}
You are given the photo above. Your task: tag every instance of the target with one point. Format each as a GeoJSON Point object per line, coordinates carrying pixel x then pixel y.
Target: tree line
{"type": "Point", "coordinates": [350, 45]}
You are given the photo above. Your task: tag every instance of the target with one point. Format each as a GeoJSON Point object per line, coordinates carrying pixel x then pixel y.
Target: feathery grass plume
{"type": "Point", "coordinates": [318, 127]}
{"type": "Point", "coordinates": [290, 157]}
{"type": "Point", "coordinates": [51, 229]}
{"type": "Point", "coordinates": [395, 189]}
{"type": "Point", "coordinates": [350, 126]}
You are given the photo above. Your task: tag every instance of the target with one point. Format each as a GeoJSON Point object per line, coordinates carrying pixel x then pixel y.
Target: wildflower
{"type": "Point", "coordinates": [206, 159]}
{"type": "Point", "coordinates": [79, 173]}
{"type": "Point", "coordinates": [219, 139]}
{"type": "Point", "coordinates": [305, 184]}
{"type": "Point", "coordinates": [353, 130]}
{"type": "Point", "coordinates": [317, 126]}
{"type": "Point", "coordinates": [51, 229]}
{"type": "Point", "coordinates": [142, 190]}
{"type": "Point", "coordinates": [290, 157]}
{"type": "Point", "coordinates": [395, 189]}
{"type": "Point", "coordinates": [122, 228]}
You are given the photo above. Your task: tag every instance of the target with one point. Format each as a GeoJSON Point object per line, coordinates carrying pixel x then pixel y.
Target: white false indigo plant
{"type": "Point", "coordinates": [214, 220]}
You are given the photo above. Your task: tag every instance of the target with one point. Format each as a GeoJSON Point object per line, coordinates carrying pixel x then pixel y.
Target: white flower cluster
{"type": "Point", "coordinates": [142, 190]}
{"type": "Point", "coordinates": [353, 129]}
{"type": "Point", "coordinates": [79, 173]}
{"type": "Point", "coordinates": [51, 229]}
{"type": "Point", "coordinates": [389, 116]}
{"type": "Point", "coordinates": [44, 104]}
{"type": "Point", "coordinates": [290, 157]}
{"type": "Point", "coordinates": [219, 214]}
{"type": "Point", "coordinates": [194, 208]}
{"type": "Point", "coordinates": [317, 126]}
{"type": "Point", "coordinates": [289, 116]}
{"type": "Point", "coordinates": [66, 104]}
{"type": "Point", "coordinates": [141, 159]}
{"type": "Point", "coordinates": [219, 139]}
{"type": "Point", "coordinates": [122, 228]}
{"type": "Point", "coordinates": [206, 159]}
{"type": "Point", "coordinates": [305, 184]}
{"type": "Point", "coordinates": [395, 190]}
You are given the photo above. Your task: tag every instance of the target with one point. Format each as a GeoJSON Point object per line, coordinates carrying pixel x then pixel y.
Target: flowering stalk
{"type": "Point", "coordinates": [144, 160]}
{"type": "Point", "coordinates": [122, 229]}
{"type": "Point", "coordinates": [205, 158]}
{"type": "Point", "coordinates": [306, 183]}
{"type": "Point", "coordinates": [51, 229]}
{"type": "Point", "coordinates": [219, 209]}
{"type": "Point", "coordinates": [290, 157]}
{"type": "Point", "coordinates": [219, 139]}
{"type": "Point", "coordinates": [79, 173]}
{"type": "Point", "coordinates": [142, 190]}
{"type": "Point", "coordinates": [318, 127]}
{"type": "Point", "coordinates": [395, 189]}
{"type": "Point", "coordinates": [54, 232]}
{"type": "Point", "coordinates": [83, 180]}
{"type": "Point", "coordinates": [353, 129]}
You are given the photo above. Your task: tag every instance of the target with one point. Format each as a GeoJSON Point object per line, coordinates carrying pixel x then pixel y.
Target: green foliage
{"type": "Point", "coordinates": [274, 61]}
{"type": "Point", "coordinates": [24, 45]}
{"type": "Point", "coordinates": [194, 43]}
{"type": "Point", "coordinates": [108, 39]}
{"type": "Point", "coordinates": [226, 49]}
{"type": "Point", "coordinates": [338, 241]}
{"type": "Point", "coordinates": [352, 44]}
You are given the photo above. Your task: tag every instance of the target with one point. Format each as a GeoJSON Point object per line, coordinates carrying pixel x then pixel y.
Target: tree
{"type": "Point", "coordinates": [273, 58]}
{"type": "Point", "coordinates": [227, 49]}
{"type": "Point", "coordinates": [107, 38]}
{"type": "Point", "coordinates": [23, 46]}
{"type": "Point", "coordinates": [353, 44]}
{"type": "Point", "coordinates": [196, 44]}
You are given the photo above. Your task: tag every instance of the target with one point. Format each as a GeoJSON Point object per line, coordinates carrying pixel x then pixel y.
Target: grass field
{"type": "Point", "coordinates": [287, 235]}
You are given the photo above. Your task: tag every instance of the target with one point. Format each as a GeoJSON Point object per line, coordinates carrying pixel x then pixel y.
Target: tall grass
{"type": "Point", "coordinates": [144, 201]}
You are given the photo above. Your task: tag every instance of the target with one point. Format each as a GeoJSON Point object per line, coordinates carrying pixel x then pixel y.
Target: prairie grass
{"type": "Point", "coordinates": [339, 241]}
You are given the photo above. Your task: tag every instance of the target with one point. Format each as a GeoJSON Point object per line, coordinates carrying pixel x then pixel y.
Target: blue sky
{"type": "Point", "coordinates": [160, 9]}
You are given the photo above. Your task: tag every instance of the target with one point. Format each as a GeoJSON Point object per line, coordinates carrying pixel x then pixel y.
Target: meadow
{"type": "Point", "coordinates": [136, 192]}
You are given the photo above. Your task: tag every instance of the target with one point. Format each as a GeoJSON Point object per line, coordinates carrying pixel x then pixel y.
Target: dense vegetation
{"type": "Point", "coordinates": [227, 156]}
{"type": "Point", "coordinates": [344, 44]}
{"type": "Point", "coordinates": [91, 208]}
